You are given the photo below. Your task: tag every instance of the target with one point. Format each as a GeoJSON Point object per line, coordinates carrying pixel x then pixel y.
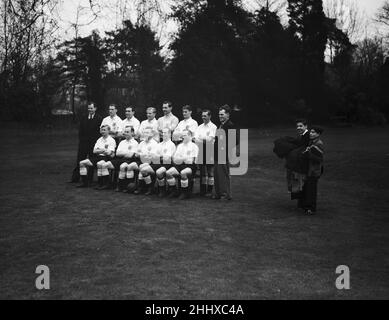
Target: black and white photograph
{"type": "Point", "coordinates": [173, 151]}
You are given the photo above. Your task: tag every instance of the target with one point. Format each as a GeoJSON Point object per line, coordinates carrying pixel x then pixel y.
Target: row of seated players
{"type": "Point", "coordinates": [141, 165]}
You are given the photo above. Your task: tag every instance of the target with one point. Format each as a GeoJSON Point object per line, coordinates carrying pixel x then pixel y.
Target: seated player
{"type": "Point", "coordinates": [184, 167]}
{"type": "Point", "coordinates": [166, 150]}
{"type": "Point", "coordinates": [148, 154]}
{"type": "Point", "coordinates": [125, 158]}
{"type": "Point", "coordinates": [104, 150]}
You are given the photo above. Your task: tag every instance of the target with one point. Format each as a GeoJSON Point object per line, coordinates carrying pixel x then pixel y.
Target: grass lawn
{"type": "Point", "coordinates": [107, 245]}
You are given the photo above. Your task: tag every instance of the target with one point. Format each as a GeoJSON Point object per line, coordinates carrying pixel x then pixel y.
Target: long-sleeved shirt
{"type": "Point", "coordinates": [206, 132]}
{"type": "Point", "coordinates": [186, 124]}
{"type": "Point", "coordinates": [170, 122]}
{"type": "Point", "coordinates": [186, 151]}
{"type": "Point", "coordinates": [127, 148]}
{"type": "Point", "coordinates": [107, 143]}
{"type": "Point", "coordinates": [166, 150]}
{"type": "Point", "coordinates": [148, 150]}
{"type": "Point", "coordinates": [153, 124]}
{"type": "Point", "coordinates": [133, 122]}
{"type": "Point", "coordinates": [115, 124]}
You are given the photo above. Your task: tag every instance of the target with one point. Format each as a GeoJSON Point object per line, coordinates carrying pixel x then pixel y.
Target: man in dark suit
{"type": "Point", "coordinates": [222, 170]}
{"type": "Point", "coordinates": [89, 132]}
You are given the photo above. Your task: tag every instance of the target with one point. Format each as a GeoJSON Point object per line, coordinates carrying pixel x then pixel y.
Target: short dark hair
{"type": "Point", "coordinates": [187, 107]}
{"type": "Point", "coordinates": [168, 103]}
{"type": "Point", "coordinates": [317, 129]}
{"type": "Point", "coordinates": [226, 108]}
{"type": "Point", "coordinates": [207, 111]}
{"type": "Point", "coordinates": [302, 120]}
{"type": "Point", "coordinates": [130, 107]}
{"type": "Point", "coordinates": [91, 103]}
{"type": "Point", "coordinates": [113, 105]}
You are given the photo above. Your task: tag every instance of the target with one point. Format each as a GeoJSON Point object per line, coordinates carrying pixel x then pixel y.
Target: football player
{"type": "Point", "coordinates": [184, 168]}
{"type": "Point", "coordinates": [104, 150]}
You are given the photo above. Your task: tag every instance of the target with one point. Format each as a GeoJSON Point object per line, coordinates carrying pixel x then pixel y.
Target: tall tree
{"type": "Point", "coordinates": [309, 25]}
{"type": "Point", "coordinates": [135, 62]}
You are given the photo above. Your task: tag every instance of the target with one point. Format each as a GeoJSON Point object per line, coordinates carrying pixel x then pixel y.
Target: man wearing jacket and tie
{"type": "Point", "coordinates": [89, 132]}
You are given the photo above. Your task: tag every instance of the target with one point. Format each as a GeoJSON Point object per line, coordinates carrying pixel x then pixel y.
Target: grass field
{"type": "Point", "coordinates": [108, 245]}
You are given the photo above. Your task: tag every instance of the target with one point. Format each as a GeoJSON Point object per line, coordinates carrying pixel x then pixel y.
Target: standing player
{"type": "Point", "coordinates": [151, 122]}
{"type": "Point", "coordinates": [205, 138]}
{"type": "Point", "coordinates": [187, 124]}
{"type": "Point", "coordinates": [104, 150]}
{"type": "Point", "coordinates": [169, 120]}
{"type": "Point", "coordinates": [114, 122]}
{"type": "Point", "coordinates": [131, 121]}
{"type": "Point", "coordinates": [166, 150]}
{"type": "Point", "coordinates": [125, 158]}
{"type": "Point", "coordinates": [148, 154]}
{"type": "Point", "coordinates": [89, 132]}
{"type": "Point", "coordinates": [184, 167]}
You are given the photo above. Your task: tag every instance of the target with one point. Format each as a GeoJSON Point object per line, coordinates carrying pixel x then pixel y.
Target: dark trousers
{"type": "Point", "coordinates": [222, 180]}
{"type": "Point", "coordinates": [308, 197]}
{"type": "Point", "coordinates": [85, 151]}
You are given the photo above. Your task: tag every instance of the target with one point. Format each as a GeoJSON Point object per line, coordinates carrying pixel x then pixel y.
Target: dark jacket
{"type": "Point", "coordinates": [315, 156]}
{"type": "Point", "coordinates": [226, 126]}
{"type": "Point", "coordinates": [89, 130]}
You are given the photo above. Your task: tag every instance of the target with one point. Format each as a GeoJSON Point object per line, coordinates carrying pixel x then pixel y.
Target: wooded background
{"type": "Point", "coordinates": [318, 63]}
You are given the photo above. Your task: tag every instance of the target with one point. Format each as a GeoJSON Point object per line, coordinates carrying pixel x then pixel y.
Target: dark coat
{"type": "Point", "coordinates": [89, 130]}
{"type": "Point", "coordinates": [292, 150]}
{"type": "Point", "coordinates": [226, 126]}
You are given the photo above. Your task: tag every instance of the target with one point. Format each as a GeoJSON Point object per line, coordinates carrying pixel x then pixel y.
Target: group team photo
{"type": "Point", "coordinates": [181, 150]}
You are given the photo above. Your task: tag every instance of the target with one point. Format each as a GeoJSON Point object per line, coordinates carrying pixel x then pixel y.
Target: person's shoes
{"type": "Point", "coordinates": [174, 194]}
{"type": "Point", "coordinates": [216, 197]}
{"type": "Point", "coordinates": [184, 195]}
{"type": "Point", "coordinates": [85, 183]}
{"type": "Point", "coordinates": [82, 186]}
{"type": "Point", "coordinates": [162, 192]}
{"type": "Point", "coordinates": [309, 212]}
{"type": "Point", "coordinates": [149, 191]}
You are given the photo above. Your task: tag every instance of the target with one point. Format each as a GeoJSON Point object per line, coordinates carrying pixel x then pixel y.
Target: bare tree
{"type": "Point", "coordinates": [349, 17]}
{"type": "Point", "coordinates": [383, 14]}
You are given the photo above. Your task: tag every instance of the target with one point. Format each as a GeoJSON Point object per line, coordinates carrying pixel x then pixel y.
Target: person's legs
{"type": "Point", "coordinates": [122, 177]}
{"type": "Point", "coordinates": [106, 167]}
{"type": "Point", "coordinates": [186, 175]}
{"type": "Point", "coordinates": [222, 181]}
{"type": "Point", "coordinates": [100, 178]}
{"type": "Point", "coordinates": [132, 172]}
{"type": "Point", "coordinates": [211, 178]}
{"type": "Point", "coordinates": [310, 194]}
{"type": "Point", "coordinates": [83, 172]}
{"type": "Point", "coordinates": [82, 153]}
{"type": "Point", "coordinates": [161, 174]}
{"type": "Point", "coordinates": [203, 179]}
{"type": "Point", "coordinates": [171, 178]}
{"type": "Point", "coordinates": [148, 174]}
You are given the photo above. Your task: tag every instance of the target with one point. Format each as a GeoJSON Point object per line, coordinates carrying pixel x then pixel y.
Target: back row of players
{"type": "Point", "coordinates": [143, 153]}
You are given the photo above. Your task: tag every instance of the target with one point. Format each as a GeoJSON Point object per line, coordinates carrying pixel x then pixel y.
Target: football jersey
{"type": "Point", "coordinates": [148, 150]}
{"type": "Point", "coordinates": [127, 148]}
{"type": "Point", "coordinates": [166, 150]}
{"type": "Point", "coordinates": [114, 123]}
{"type": "Point", "coordinates": [205, 132]}
{"type": "Point", "coordinates": [187, 124]}
{"type": "Point", "coordinates": [149, 124]}
{"type": "Point", "coordinates": [108, 143]}
{"type": "Point", "coordinates": [187, 151]}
